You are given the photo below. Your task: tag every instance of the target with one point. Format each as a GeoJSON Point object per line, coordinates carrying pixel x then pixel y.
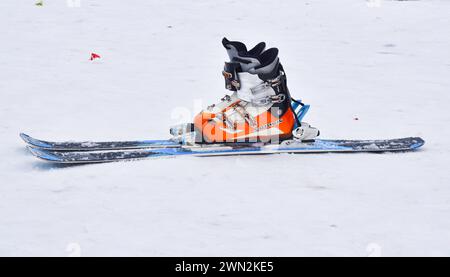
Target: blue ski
{"type": "Point", "coordinates": [93, 145]}
{"type": "Point", "coordinates": [291, 146]}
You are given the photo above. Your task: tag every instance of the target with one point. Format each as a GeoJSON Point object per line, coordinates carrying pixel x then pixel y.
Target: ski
{"type": "Point", "coordinates": [290, 146]}
{"type": "Point", "coordinates": [93, 145]}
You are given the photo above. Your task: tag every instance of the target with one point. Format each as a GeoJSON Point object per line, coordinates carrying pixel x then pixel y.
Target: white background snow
{"type": "Point", "coordinates": [386, 63]}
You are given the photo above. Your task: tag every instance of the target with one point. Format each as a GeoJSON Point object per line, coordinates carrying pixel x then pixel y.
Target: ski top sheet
{"type": "Point", "coordinates": [92, 145]}
{"type": "Point", "coordinates": [291, 146]}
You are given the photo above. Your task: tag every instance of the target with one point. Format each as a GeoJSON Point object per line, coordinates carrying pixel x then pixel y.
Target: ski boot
{"type": "Point", "coordinates": [259, 109]}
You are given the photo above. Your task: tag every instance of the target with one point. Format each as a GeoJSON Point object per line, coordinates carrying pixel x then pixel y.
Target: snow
{"type": "Point", "coordinates": [386, 63]}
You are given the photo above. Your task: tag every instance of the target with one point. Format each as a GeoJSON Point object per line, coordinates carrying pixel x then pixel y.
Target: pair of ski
{"type": "Point", "coordinates": [98, 152]}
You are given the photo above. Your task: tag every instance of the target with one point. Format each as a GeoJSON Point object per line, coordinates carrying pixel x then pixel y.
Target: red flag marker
{"type": "Point", "coordinates": [94, 56]}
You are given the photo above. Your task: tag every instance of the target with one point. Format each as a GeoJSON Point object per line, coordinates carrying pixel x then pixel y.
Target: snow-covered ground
{"type": "Point", "coordinates": [385, 62]}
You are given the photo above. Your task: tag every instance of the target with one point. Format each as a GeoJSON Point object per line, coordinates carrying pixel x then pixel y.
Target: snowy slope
{"type": "Point", "coordinates": [386, 63]}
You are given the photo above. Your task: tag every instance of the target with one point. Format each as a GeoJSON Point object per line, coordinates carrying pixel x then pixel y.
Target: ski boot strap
{"type": "Point", "coordinates": [230, 73]}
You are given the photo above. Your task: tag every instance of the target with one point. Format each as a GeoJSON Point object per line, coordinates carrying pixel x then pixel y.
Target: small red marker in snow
{"type": "Point", "coordinates": [94, 56]}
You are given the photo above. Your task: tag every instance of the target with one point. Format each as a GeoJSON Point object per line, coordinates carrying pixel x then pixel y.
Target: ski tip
{"type": "Point", "coordinates": [43, 155]}
{"type": "Point", "coordinates": [418, 142]}
{"type": "Point", "coordinates": [34, 142]}
{"type": "Point", "coordinates": [24, 136]}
